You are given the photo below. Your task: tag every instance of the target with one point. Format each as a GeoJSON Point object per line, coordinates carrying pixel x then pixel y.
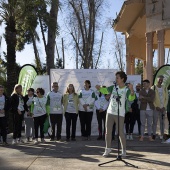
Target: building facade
{"type": "Point", "coordinates": [146, 26]}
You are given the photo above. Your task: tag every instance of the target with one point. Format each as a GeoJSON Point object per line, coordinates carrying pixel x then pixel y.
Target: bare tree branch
{"type": "Point", "coordinates": [99, 51]}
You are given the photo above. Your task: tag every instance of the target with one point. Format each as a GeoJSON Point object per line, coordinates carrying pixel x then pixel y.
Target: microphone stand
{"type": "Point", "coordinates": [119, 157]}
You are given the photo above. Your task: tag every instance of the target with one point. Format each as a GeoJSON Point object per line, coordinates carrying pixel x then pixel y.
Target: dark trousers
{"type": "Point", "coordinates": [137, 118]}
{"type": "Point", "coordinates": [168, 115]}
{"type": "Point", "coordinates": [17, 123]}
{"type": "Point", "coordinates": [39, 122]}
{"type": "Point", "coordinates": [129, 122]}
{"type": "Point", "coordinates": [56, 119]}
{"type": "Point", "coordinates": [71, 120]}
{"type": "Point", "coordinates": [101, 117]}
{"type": "Point", "coordinates": [3, 126]}
{"type": "Point", "coordinates": [85, 122]}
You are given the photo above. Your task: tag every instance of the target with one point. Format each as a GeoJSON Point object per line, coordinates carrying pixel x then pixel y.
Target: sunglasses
{"type": "Point", "coordinates": [38, 92]}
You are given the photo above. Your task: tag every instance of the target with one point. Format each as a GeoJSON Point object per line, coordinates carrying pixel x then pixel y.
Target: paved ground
{"type": "Point", "coordinates": [83, 155]}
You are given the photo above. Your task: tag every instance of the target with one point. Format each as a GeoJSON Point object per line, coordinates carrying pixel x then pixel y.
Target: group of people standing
{"type": "Point", "coordinates": [35, 108]}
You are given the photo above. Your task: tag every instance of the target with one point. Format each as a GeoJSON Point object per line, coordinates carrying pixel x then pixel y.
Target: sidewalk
{"type": "Point", "coordinates": [83, 155]}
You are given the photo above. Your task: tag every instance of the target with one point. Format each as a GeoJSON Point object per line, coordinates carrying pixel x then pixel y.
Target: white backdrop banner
{"type": "Point", "coordinates": [77, 78]}
{"type": "Point", "coordinates": [42, 82]}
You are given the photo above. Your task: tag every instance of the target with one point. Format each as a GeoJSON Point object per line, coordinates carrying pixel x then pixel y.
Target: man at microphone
{"type": "Point", "coordinates": [125, 95]}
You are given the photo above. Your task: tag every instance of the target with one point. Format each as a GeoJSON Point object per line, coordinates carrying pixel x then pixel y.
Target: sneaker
{"type": "Point", "coordinates": [130, 137]}
{"type": "Point", "coordinates": [27, 140]}
{"type": "Point", "coordinates": [52, 139]}
{"type": "Point", "coordinates": [35, 141]}
{"type": "Point", "coordinates": [42, 140]}
{"type": "Point", "coordinates": [150, 139]}
{"type": "Point", "coordinates": [20, 141]}
{"type": "Point", "coordinates": [14, 142]}
{"type": "Point", "coordinates": [141, 139]}
{"type": "Point", "coordinates": [161, 137]}
{"type": "Point", "coordinates": [127, 137]}
{"type": "Point", "coordinates": [107, 152]}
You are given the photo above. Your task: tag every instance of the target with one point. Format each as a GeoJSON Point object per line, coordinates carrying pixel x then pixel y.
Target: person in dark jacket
{"type": "Point", "coordinates": [29, 121]}
{"type": "Point", "coordinates": [4, 107]}
{"type": "Point", "coordinates": [17, 108]}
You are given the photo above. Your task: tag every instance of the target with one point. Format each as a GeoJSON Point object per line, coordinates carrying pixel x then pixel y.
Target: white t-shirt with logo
{"type": "Point", "coordinates": [113, 106]}
{"type": "Point", "coordinates": [56, 102]}
{"type": "Point", "coordinates": [39, 106]}
{"type": "Point", "coordinates": [86, 99]}
{"type": "Point", "coordinates": [70, 107]}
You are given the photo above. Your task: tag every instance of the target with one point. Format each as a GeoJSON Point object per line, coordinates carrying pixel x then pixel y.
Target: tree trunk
{"type": "Point", "coordinates": [52, 34]}
{"type": "Point", "coordinates": [63, 53]}
{"type": "Point", "coordinates": [100, 48]}
{"type": "Point", "coordinates": [37, 58]}
{"type": "Point", "coordinates": [43, 34]}
{"type": "Point", "coordinates": [10, 37]}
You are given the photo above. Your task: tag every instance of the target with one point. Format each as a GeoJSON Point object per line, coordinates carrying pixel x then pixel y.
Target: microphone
{"type": "Point", "coordinates": [114, 82]}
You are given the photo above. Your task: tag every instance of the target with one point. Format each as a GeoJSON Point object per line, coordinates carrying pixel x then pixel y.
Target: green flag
{"type": "Point", "coordinates": [26, 77]}
{"type": "Point", "coordinates": [165, 71]}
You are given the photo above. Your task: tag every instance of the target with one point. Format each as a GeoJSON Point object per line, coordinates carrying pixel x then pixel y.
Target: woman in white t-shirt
{"type": "Point", "coordinates": [39, 110]}
{"type": "Point", "coordinates": [70, 102]}
{"type": "Point", "coordinates": [86, 106]}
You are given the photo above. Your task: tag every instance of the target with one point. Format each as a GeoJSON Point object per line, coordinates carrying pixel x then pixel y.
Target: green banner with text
{"type": "Point", "coordinates": [26, 77]}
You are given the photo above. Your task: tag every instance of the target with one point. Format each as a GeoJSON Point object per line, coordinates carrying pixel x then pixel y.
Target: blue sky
{"type": "Point", "coordinates": [27, 55]}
